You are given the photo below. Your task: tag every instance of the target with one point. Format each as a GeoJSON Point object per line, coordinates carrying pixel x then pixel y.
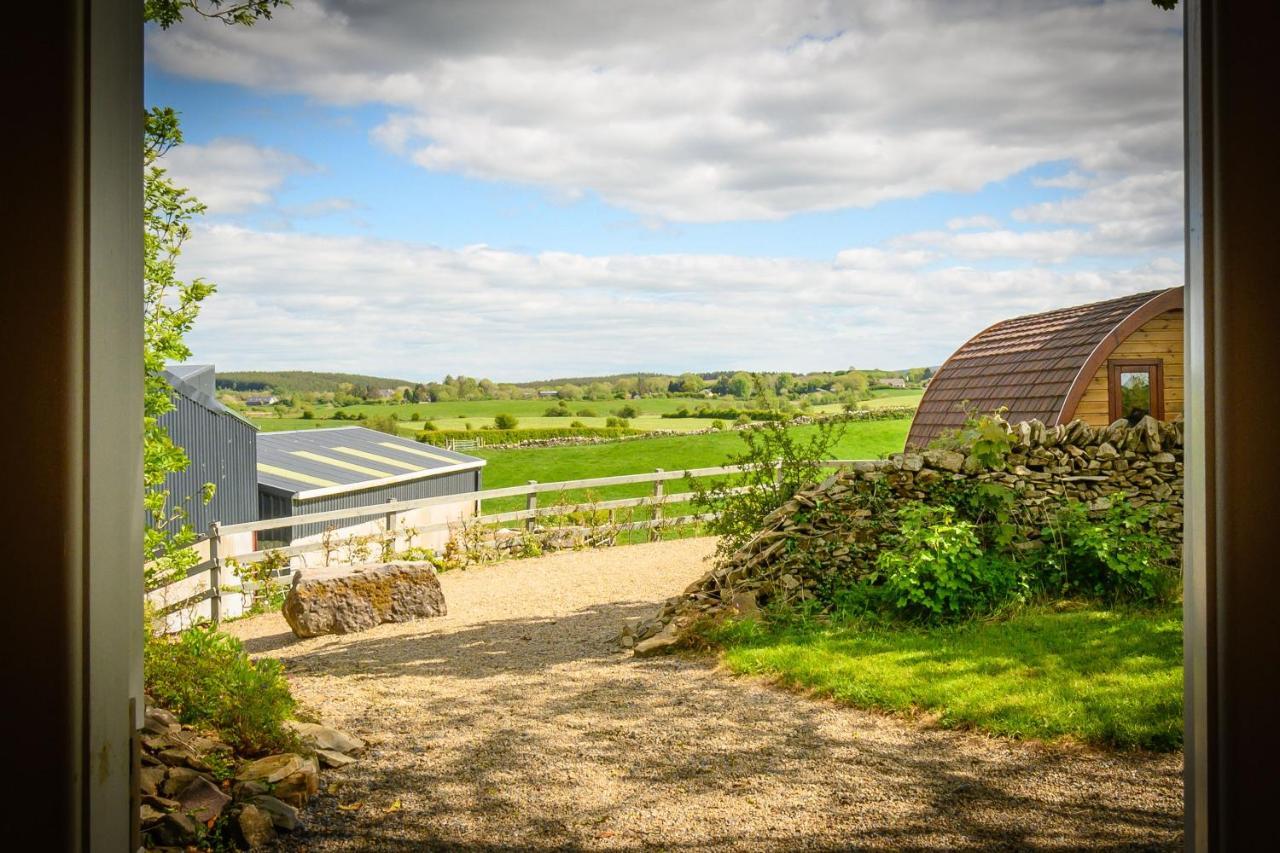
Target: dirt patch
{"type": "Point", "coordinates": [515, 722]}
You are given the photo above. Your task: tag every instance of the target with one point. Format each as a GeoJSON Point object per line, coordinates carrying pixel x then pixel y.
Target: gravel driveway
{"type": "Point", "coordinates": [515, 723]}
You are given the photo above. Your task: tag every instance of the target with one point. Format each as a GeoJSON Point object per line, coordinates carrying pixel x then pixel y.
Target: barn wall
{"type": "Point", "coordinates": [1160, 337]}
{"type": "Point", "coordinates": [223, 451]}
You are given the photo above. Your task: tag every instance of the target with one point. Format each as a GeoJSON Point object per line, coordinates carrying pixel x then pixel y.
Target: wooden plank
{"type": "Point", "coordinates": [190, 601]}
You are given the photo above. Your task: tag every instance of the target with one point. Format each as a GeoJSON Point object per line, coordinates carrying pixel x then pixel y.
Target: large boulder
{"type": "Point", "coordinates": [347, 599]}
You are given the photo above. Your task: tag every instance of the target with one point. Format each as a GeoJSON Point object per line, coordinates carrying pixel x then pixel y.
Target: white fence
{"type": "Point", "coordinates": [389, 512]}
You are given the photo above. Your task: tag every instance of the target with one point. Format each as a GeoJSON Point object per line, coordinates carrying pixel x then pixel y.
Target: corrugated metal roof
{"type": "Point", "coordinates": [1029, 364]}
{"type": "Point", "coordinates": [328, 461]}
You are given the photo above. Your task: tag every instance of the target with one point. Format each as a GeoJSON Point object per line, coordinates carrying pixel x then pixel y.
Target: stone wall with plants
{"type": "Point", "coordinates": [994, 513]}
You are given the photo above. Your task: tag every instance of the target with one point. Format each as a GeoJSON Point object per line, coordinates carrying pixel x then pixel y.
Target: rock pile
{"type": "Point", "coordinates": [348, 599]}
{"type": "Point", "coordinates": [190, 781]}
{"type": "Point", "coordinates": [815, 535]}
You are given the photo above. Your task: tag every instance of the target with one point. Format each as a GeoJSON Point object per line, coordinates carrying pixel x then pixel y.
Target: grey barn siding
{"type": "Point", "coordinates": [223, 451]}
{"type": "Point", "coordinates": [274, 505]}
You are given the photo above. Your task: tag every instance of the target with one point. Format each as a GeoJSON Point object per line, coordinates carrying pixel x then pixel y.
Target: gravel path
{"type": "Point", "coordinates": [515, 723]}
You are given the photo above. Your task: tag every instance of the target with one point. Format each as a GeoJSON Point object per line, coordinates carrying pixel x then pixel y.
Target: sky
{"type": "Point", "coordinates": [577, 187]}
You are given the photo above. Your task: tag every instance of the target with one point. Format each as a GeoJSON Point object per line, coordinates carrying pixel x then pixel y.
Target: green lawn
{"type": "Point", "coordinates": [863, 440]}
{"type": "Point", "coordinates": [1103, 677]}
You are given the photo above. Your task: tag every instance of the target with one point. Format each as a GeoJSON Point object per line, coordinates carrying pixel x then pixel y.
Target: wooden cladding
{"type": "Point", "coordinates": [1159, 339]}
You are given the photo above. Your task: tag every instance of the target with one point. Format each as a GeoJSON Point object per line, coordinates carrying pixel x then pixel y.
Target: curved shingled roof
{"type": "Point", "coordinates": [1038, 366]}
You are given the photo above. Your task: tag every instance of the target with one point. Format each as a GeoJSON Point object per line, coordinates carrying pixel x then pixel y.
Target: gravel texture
{"type": "Point", "coordinates": [517, 723]}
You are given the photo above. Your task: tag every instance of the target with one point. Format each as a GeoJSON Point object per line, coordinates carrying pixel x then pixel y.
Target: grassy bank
{"type": "Point", "coordinates": [1102, 677]}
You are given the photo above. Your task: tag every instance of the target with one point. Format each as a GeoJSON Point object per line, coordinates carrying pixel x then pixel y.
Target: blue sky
{"type": "Point", "coordinates": [410, 189]}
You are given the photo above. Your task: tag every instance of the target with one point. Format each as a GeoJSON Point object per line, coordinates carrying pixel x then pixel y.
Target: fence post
{"type": "Point", "coordinates": [655, 533]}
{"type": "Point", "coordinates": [531, 503]}
{"type": "Point", "coordinates": [390, 523]}
{"type": "Point", "coordinates": [215, 575]}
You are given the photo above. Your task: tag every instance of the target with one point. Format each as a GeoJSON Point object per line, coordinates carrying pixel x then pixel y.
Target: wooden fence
{"type": "Point", "coordinates": [390, 511]}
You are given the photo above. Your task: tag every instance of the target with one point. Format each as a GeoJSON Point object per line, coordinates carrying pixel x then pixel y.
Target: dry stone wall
{"type": "Point", "coordinates": [820, 532]}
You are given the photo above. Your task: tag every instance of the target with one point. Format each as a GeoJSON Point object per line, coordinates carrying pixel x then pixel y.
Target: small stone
{"type": "Point", "coordinates": [664, 641]}
{"type": "Point", "coordinates": [1107, 451]}
{"type": "Point", "coordinates": [299, 787]}
{"type": "Point", "coordinates": [149, 814]}
{"type": "Point", "coordinates": [322, 737]}
{"type": "Point", "coordinates": [283, 815]}
{"type": "Point", "coordinates": [203, 800]}
{"type": "Point", "coordinates": [271, 769]}
{"type": "Point", "coordinates": [150, 779]}
{"type": "Point", "coordinates": [626, 641]}
{"type": "Point", "coordinates": [249, 790]}
{"type": "Point", "coordinates": [255, 826]}
{"type": "Point", "coordinates": [178, 780]}
{"type": "Point", "coordinates": [174, 829]}
{"type": "Point", "coordinates": [333, 758]}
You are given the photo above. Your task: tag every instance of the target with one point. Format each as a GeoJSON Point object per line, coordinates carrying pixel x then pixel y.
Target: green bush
{"type": "Point", "coordinates": [1117, 555]}
{"type": "Point", "coordinates": [505, 421]}
{"type": "Point", "coordinates": [207, 679]}
{"type": "Point", "coordinates": [717, 424]}
{"type": "Point", "coordinates": [586, 413]}
{"type": "Point", "coordinates": [627, 412]}
{"type": "Point", "coordinates": [560, 411]}
{"type": "Point", "coordinates": [617, 423]}
{"type": "Point", "coordinates": [937, 567]}
{"type": "Point", "coordinates": [387, 423]}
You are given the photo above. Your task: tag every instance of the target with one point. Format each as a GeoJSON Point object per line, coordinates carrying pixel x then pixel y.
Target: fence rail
{"type": "Point", "coordinates": [659, 498]}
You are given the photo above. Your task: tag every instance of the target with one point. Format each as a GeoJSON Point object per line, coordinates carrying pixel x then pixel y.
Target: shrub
{"type": "Point", "coordinates": [560, 411]}
{"type": "Point", "coordinates": [586, 413]}
{"type": "Point", "coordinates": [387, 423]}
{"type": "Point", "coordinates": [207, 679]}
{"type": "Point", "coordinates": [627, 412]}
{"type": "Point", "coordinates": [505, 421]}
{"type": "Point", "coordinates": [779, 464]}
{"type": "Point", "coordinates": [428, 425]}
{"type": "Point", "coordinates": [937, 566]}
{"type": "Point", "coordinates": [577, 425]}
{"type": "Point", "coordinates": [717, 424]}
{"type": "Point", "coordinates": [1118, 555]}
{"type": "Point", "coordinates": [617, 423]}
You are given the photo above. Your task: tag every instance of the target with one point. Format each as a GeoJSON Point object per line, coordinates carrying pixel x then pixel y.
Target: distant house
{"type": "Point", "coordinates": [316, 470]}
{"type": "Point", "coordinates": [1121, 358]}
{"type": "Point", "coordinates": [385, 393]}
{"type": "Point", "coordinates": [548, 393]}
{"type": "Point", "coordinates": [262, 400]}
{"type": "Point", "coordinates": [891, 382]}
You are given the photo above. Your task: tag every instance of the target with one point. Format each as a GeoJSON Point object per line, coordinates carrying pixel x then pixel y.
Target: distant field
{"type": "Point", "coordinates": [888, 397]}
{"type": "Point", "coordinates": [865, 440]}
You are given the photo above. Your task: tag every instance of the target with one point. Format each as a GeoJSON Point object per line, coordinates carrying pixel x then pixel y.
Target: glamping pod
{"type": "Point", "coordinates": [1121, 358]}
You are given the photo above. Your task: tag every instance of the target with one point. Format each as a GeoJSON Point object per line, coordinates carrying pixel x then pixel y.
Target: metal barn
{"type": "Point", "coordinates": [318, 470]}
{"type": "Point", "coordinates": [221, 446]}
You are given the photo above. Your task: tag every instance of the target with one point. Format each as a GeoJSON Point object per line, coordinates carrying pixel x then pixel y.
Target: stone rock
{"type": "Point", "coordinates": [271, 769]}
{"type": "Point", "coordinates": [249, 790]}
{"type": "Point", "coordinates": [744, 604]}
{"type": "Point", "coordinates": [344, 600]}
{"type": "Point", "coordinates": [149, 814]}
{"type": "Point", "coordinates": [174, 829]}
{"type": "Point", "coordinates": [299, 787]}
{"type": "Point", "coordinates": [660, 643]}
{"type": "Point", "coordinates": [203, 800]}
{"type": "Point", "coordinates": [255, 827]}
{"type": "Point", "coordinates": [177, 780]}
{"type": "Point", "coordinates": [945, 460]}
{"type": "Point", "coordinates": [333, 758]}
{"type": "Point", "coordinates": [283, 815]}
{"type": "Point", "coordinates": [150, 779]}
{"type": "Point", "coordinates": [317, 736]}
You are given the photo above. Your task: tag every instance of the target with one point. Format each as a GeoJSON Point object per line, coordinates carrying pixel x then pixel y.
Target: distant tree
{"type": "Point", "coordinates": [626, 412]}
{"type": "Point", "coordinates": [569, 391]}
{"type": "Point", "coordinates": [505, 421]}
{"type": "Point", "coordinates": [740, 385]}
{"type": "Point", "coordinates": [688, 383]}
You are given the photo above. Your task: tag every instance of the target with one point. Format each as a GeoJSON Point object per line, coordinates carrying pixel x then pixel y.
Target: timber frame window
{"type": "Point", "coordinates": [1133, 385]}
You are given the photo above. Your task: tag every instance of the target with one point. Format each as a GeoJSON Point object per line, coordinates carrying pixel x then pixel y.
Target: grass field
{"type": "Point", "coordinates": [1103, 677]}
{"type": "Point", "coordinates": [863, 440]}
{"type": "Point", "coordinates": [480, 413]}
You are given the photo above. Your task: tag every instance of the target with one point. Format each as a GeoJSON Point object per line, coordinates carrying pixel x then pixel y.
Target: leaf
{"type": "Point", "coordinates": [394, 807]}
{"type": "Point", "coordinates": [351, 807]}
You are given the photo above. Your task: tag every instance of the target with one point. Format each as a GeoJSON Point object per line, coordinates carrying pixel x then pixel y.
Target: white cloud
{"type": "Point", "coordinates": [233, 175]}
{"type": "Point", "coordinates": [964, 223]}
{"type": "Point", "coordinates": [721, 111]}
{"type": "Point", "coordinates": [288, 300]}
{"type": "Point", "coordinates": [1139, 212]}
